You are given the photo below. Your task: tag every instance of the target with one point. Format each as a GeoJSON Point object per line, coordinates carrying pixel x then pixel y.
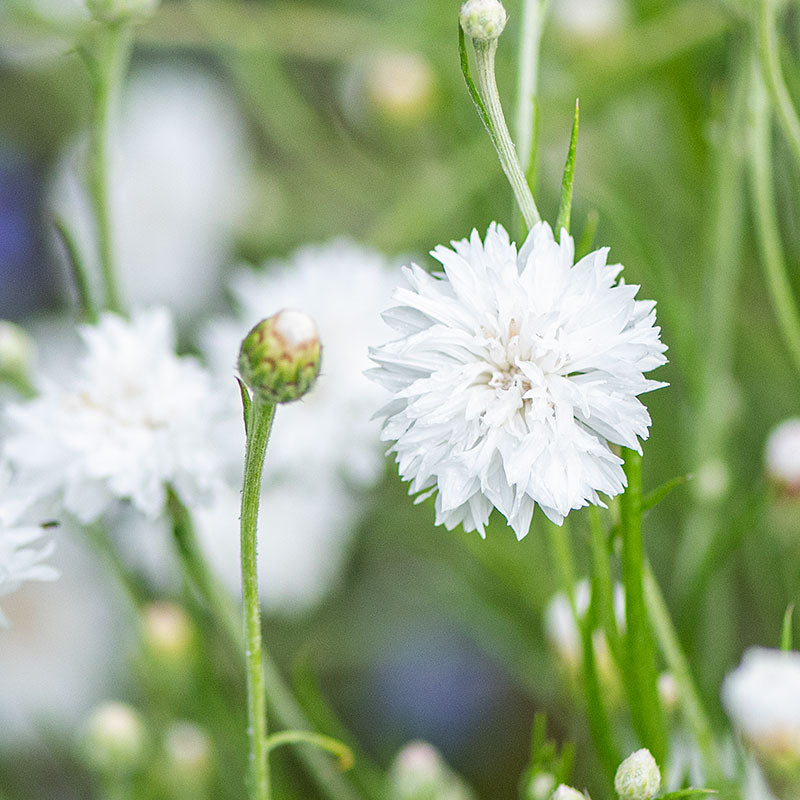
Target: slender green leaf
{"type": "Point", "coordinates": [786, 628]}
{"type": "Point", "coordinates": [245, 402]}
{"type": "Point", "coordinates": [688, 793]}
{"type": "Point", "coordinates": [565, 208]}
{"type": "Point", "coordinates": [80, 276]}
{"type": "Point", "coordinates": [657, 495]}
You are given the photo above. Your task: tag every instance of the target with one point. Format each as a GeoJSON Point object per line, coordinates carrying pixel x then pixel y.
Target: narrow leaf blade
{"type": "Point", "coordinates": [565, 209]}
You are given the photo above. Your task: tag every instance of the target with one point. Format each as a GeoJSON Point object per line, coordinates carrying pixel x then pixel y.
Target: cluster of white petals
{"type": "Point", "coordinates": [131, 418]}
{"type": "Point", "coordinates": [325, 448]}
{"type": "Point", "coordinates": [514, 373]}
{"type": "Point", "coordinates": [762, 698]}
{"type": "Point", "coordinates": [783, 453]}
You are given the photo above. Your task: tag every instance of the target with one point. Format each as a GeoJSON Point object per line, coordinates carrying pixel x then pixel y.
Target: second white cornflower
{"type": "Point", "coordinates": [514, 373]}
{"type": "Point", "coordinates": [131, 419]}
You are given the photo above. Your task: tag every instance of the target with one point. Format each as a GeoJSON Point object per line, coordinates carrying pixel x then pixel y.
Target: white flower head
{"type": "Point", "coordinates": [514, 373]}
{"type": "Point", "coordinates": [783, 454]}
{"type": "Point", "coordinates": [638, 777]}
{"type": "Point", "coordinates": [132, 418]}
{"type": "Point", "coordinates": [762, 698]}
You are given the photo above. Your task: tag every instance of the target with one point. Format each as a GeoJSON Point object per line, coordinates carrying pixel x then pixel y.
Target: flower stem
{"type": "Point", "coordinates": [527, 125]}
{"type": "Point", "coordinates": [773, 76]}
{"type": "Point", "coordinates": [766, 220]}
{"type": "Point", "coordinates": [678, 664]}
{"type": "Point", "coordinates": [258, 429]}
{"type": "Point", "coordinates": [487, 84]}
{"type": "Point", "coordinates": [641, 662]}
{"type": "Point", "coordinates": [106, 57]}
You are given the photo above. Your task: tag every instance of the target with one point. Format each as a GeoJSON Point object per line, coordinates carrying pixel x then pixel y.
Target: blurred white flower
{"type": "Point", "coordinates": [419, 771]}
{"type": "Point", "coordinates": [783, 453]}
{"type": "Point", "coordinates": [63, 651]}
{"type": "Point", "coordinates": [590, 18]}
{"type": "Point", "coordinates": [762, 698]}
{"type": "Point", "coordinates": [304, 529]}
{"type": "Point", "coordinates": [513, 375]}
{"type": "Point", "coordinates": [329, 434]}
{"type": "Point", "coordinates": [131, 418]}
{"type": "Point", "coordinates": [178, 186]}
{"type": "Point", "coordinates": [325, 448]}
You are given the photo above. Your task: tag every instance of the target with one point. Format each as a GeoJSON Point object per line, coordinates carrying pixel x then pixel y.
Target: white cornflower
{"type": "Point", "coordinates": [514, 373]}
{"type": "Point", "coordinates": [783, 454]}
{"type": "Point", "coordinates": [132, 418]}
{"type": "Point", "coordinates": [762, 698]}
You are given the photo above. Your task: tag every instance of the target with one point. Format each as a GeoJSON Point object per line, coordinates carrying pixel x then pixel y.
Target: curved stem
{"type": "Point", "coordinates": [773, 76]}
{"type": "Point", "coordinates": [258, 429]}
{"type": "Point", "coordinates": [487, 83]}
{"type": "Point", "coordinates": [336, 748]}
{"type": "Point", "coordinates": [766, 220]}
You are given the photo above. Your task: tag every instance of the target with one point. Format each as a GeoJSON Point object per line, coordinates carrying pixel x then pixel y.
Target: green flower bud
{"type": "Point", "coordinates": [638, 777]}
{"type": "Point", "coordinates": [115, 739]}
{"type": "Point", "coordinates": [280, 357]}
{"type": "Point", "coordinates": [483, 20]}
{"type": "Point", "coordinates": [122, 10]}
{"type": "Point", "coordinates": [564, 792]}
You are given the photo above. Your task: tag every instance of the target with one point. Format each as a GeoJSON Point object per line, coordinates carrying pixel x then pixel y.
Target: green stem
{"type": "Point", "coordinates": [487, 83]}
{"type": "Point", "coordinates": [766, 220]}
{"type": "Point", "coordinates": [80, 276]}
{"type": "Point", "coordinates": [106, 56]}
{"type": "Point", "coordinates": [603, 586]}
{"type": "Point", "coordinates": [533, 17]}
{"type": "Point", "coordinates": [258, 429]}
{"type": "Point", "coordinates": [773, 76]}
{"type": "Point", "coordinates": [641, 662]}
{"type": "Point", "coordinates": [336, 748]}
{"type": "Point", "coordinates": [279, 698]}
{"type": "Point", "coordinates": [678, 664]}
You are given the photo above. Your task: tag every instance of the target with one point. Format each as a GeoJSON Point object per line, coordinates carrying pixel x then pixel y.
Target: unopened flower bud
{"type": "Point", "coordinates": [280, 357]}
{"type": "Point", "coordinates": [189, 755]}
{"type": "Point", "coordinates": [399, 85]}
{"type": "Point", "coordinates": [783, 456]}
{"type": "Point", "coordinates": [419, 773]}
{"type": "Point", "coordinates": [564, 792]}
{"type": "Point", "coordinates": [668, 691]}
{"type": "Point", "coordinates": [16, 354]}
{"type": "Point", "coordinates": [122, 10]}
{"type": "Point", "coordinates": [115, 739]}
{"type": "Point", "coordinates": [167, 632]}
{"type": "Point", "coordinates": [483, 20]}
{"type": "Point", "coordinates": [540, 787]}
{"type": "Point", "coordinates": [638, 777]}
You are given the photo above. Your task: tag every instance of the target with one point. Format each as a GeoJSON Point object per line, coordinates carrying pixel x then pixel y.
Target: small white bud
{"type": "Point", "coordinates": [400, 86]}
{"type": "Point", "coordinates": [483, 20]}
{"type": "Point", "coordinates": [712, 480]}
{"type": "Point", "coordinates": [540, 787]}
{"type": "Point", "coordinates": [188, 750]}
{"type": "Point", "coordinates": [167, 632]}
{"type": "Point", "coordinates": [638, 777]}
{"type": "Point", "coordinates": [668, 691]}
{"type": "Point", "coordinates": [783, 455]}
{"type": "Point", "coordinates": [564, 792]}
{"type": "Point", "coordinates": [419, 772]}
{"type": "Point", "coordinates": [115, 738]}
{"type": "Point", "coordinates": [122, 10]}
